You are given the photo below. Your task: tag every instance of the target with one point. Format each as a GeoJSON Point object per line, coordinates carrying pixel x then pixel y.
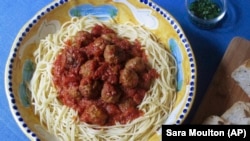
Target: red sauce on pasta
{"type": "Point", "coordinates": [102, 76]}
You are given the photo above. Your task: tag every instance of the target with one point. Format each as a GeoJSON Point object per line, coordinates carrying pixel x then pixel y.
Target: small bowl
{"type": "Point", "coordinates": [204, 21]}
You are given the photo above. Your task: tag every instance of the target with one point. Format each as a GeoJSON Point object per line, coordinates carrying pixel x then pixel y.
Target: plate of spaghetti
{"type": "Point", "coordinates": [100, 70]}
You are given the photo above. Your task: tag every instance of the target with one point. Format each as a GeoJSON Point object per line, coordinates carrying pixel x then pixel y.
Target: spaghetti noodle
{"type": "Point", "coordinates": [64, 122]}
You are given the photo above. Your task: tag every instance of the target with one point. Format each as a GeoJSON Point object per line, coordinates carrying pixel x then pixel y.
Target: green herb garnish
{"type": "Point", "coordinates": [205, 9]}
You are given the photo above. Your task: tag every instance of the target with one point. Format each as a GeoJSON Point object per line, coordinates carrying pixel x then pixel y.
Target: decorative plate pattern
{"type": "Point", "coordinates": [48, 20]}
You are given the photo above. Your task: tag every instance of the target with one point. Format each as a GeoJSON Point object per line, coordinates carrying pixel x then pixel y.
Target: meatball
{"type": "Point", "coordinates": [136, 64]}
{"type": "Point", "coordinates": [109, 37]}
{"type": "Point", "coordinates": [127, 103]}
{"type": "Point", "coordinates": [88, 68]}
{"type": "Point", "coordinates": [69, 97]}
{"type": "Point", "coordinates": [74, 93]}
{"type": "Point", "coordinates": [94, 115]}
{"type": "Point", "coordinates": [89, 88]}
{"type": "Point", "coordinates": [123, 44]}
{"type": "Point", "coordinates": [97, 30]}
{"type": "Point", "coordinates": [96, 48]}
{"type": "Point", "coordinates": [128, 78]}
{"type": "Point", "coordinates": [113, 109]}
{"type": "Point", "coordinates": [113, 54]}
{"type": "Point", "coordinates": [110, 94]}
{"type": "Point", "coordinates": [83, 38]}
{"type": "Point", "coordinates": [72, 59]}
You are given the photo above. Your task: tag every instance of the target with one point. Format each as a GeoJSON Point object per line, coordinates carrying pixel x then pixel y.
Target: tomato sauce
{"type": "Point", "coordinates": [102, 76]}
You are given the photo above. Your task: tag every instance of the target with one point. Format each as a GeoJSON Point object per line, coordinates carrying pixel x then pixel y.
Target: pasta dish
{"type": "Point", "coordinates": [97, 80]}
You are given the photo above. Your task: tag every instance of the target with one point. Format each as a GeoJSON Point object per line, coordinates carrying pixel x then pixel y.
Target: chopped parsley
{"type": "Point", "coordinates": [205, 9]}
